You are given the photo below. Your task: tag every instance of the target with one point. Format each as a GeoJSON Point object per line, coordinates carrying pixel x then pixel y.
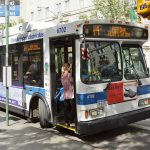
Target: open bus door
{"type": "Point", "coordinates": [61, 51]}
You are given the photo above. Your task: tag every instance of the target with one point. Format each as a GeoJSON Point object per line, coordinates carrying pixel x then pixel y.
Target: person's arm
{"type": "Point", "coordinates": [62, 79]}
{"type": "Point", "coordinates": [70, 78]}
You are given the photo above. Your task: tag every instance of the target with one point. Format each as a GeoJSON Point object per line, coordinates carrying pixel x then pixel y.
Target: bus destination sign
{"type": "Point", "coordinates": [115, 31]}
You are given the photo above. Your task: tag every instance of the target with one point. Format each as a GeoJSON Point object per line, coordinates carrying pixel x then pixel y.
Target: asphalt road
{"type": "Point", "coordinates": [20, 135]}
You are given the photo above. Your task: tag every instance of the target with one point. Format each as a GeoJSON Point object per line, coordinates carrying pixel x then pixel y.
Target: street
{"type": "Point", "coordinates": [20, 135]}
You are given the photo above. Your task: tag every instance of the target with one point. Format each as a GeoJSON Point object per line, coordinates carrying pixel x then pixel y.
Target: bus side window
{"type": "Point", "coordinates": [33, 64]}
{"type": "Point", "coordinates": [15, 62]}
{"type": "Point", "coordinates": [1, 63]}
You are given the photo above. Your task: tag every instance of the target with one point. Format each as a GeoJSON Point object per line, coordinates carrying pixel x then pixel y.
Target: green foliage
{"type": "Point", "coordinates": [21, 20]}
{"type": "Point", "coordinates": [110, 9]}
{"type": "Point", "coordinates": [12, 23]}
{"type": "Point", "coordinates": [83, 16]}
{"type": "Point", "coordinates": [2, 26]}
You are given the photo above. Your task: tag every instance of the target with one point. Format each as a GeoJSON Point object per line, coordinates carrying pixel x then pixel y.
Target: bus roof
{"type": "Point", "coordinates": [38, 30]}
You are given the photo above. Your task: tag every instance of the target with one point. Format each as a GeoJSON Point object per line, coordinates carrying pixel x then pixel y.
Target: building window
{"type": "Point", "coordinates": [32, 16]}
{"type": "Point", "coordinates": [58, 7]}
{"type": "Point", "coordinates": [82, 3]}
{"type": "Point", "coordinates": [66, 5]}
{"type": "Point", "coordinates": [39, 13]}
{"type": "Point", "coordinates": [47, 11]}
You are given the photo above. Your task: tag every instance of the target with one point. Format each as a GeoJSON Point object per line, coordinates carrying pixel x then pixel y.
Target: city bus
{"type": "Point", "coordinates": [110, 76]}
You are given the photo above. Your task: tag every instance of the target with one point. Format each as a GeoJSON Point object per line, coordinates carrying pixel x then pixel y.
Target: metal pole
{"type": "Point", "coordinates": [6, 58]}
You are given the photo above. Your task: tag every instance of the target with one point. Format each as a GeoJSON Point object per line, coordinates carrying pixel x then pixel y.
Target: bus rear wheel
{"type": "Point", "coordinates": [43, 115]}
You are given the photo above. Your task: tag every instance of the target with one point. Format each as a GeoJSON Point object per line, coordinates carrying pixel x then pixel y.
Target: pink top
{"type": "Point", "coordinates": [67, 80]}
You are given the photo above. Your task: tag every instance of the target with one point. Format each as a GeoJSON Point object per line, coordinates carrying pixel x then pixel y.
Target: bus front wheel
{"type": "Point", "coordinates": [43, 115]}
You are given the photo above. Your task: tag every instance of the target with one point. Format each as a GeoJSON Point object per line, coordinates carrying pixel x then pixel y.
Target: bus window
{"type": "Point", "coordinates": [15, 62]}
{"type": "Point", "coordinates": [33, 64]}
{"type": "Point", "coordinates": [133, 62]}
{"type": "Point", "coordinates": [2, 56]}
{"type": "Point", "coordinates": [100, 62]}
{"type": "Point", "coordinates": [59, 60]}
{"type": "Point", "coordinates": [62, 54]}
{"type": "Point", "coordinates": [15, 67]}
{"type": "Point", "coordinates": [70, 55]}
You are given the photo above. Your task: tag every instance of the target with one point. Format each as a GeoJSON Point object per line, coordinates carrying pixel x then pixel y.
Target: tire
{"type": "Point", "coordinates": [43, 115]}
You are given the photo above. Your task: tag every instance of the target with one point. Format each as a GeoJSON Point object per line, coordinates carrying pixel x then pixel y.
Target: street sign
{"type": "Point", "coordinates": [2, 8]}
{"type": "Point", "coordinates": [7, 74]}
{"type": "Point", "coordinates": [14, 8]}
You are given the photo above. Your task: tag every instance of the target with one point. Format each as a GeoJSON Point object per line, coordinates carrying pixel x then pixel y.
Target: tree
{"type": "Point", "coordinates": [21, 20]}
{"type": "Point", "coordinates": [12, 22]}
{"type": "Point", "coordinates": [110, 9]}
{"type": "Point", "coordinates": [83, 16]}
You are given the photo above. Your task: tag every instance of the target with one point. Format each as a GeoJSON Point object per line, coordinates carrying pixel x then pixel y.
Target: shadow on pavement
{"type": "Point", "coordinates": [14, 118]}
{"type": "Point", "coordinates": [30, 138]}
{"type": "Point", "coordinates": [2, 119]}
{"type": "Point", "coordinates": [125, 138]}
{"type": "Point", "coordinates": [2, 130]}
{"type": "Point", "coordinates": [23, 136]}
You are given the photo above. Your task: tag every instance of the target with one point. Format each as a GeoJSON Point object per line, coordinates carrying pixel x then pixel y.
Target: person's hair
{"type": "Point", "coordinates": [66, 67]}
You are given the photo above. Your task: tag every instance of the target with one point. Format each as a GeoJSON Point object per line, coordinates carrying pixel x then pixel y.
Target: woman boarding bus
{"type": "Point", "coordinates": [110, 77]}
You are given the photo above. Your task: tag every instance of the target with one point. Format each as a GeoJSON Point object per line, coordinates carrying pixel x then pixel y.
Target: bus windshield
{"type": "Point", "coordinates": [100, 62]}
{"type": "Point", "coordinates": [134, 66]}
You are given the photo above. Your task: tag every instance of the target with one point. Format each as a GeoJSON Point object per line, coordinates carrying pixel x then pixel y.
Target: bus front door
{"type": "Point", "coordinates": [61, 50]}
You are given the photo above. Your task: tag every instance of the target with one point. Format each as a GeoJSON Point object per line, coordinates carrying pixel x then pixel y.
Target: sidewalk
{"type": "Point", "coordinates": [20, 135]}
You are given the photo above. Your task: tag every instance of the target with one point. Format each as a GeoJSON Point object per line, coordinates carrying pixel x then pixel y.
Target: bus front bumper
{"type": "Point", "coordinates": [111, 122]}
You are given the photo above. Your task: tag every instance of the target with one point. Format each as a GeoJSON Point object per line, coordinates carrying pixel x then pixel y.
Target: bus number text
{"type": "Point", "coordinates": [61, 30]}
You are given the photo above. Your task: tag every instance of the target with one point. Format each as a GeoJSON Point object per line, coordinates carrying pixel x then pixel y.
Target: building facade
{"type": "Point", "coordinates": [55, 11]}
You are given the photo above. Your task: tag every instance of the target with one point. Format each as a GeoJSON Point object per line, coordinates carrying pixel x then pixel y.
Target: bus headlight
{"type": "Point", "coordinates": [144, 102]}
{"type": "Point", "coordinates": [97, 112]}
{"type": "Point", "coordinates": [94, 112]}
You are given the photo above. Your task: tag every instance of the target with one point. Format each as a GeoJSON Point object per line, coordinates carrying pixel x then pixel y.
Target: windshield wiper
{"type": "Point", "coordinates": [137, 75]}
{"type": "Point", "coordinates": [100, 47]}
{"type": "Point", "coordinates": [108, 85]}
{"type": "Point", "coordinates": [133, 68]}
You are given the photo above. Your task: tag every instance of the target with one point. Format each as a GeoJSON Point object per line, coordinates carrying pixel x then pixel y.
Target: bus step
{"type": "Point", "coordinates": [71, 127]}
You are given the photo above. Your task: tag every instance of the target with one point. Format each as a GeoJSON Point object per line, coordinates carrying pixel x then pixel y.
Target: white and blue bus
{"type": "Point", "coordinates": [111, 78]}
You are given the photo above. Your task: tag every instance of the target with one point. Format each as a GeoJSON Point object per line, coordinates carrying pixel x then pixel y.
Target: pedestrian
{"type": "Point", "coordinates": [67, 83]}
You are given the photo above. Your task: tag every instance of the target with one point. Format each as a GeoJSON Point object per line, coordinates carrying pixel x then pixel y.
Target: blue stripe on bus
{"type": "Point", "coordinates": [145, 89]}
{"type": "Point", "coordinates": [89, 98]}
{"type": "Point", "coordinates": [92, 98]}
{"type": "Point", "coordinates": [30, 90]}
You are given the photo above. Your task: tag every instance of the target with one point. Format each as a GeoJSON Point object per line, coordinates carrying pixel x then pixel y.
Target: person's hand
{"type": "Point", "coordinates": [27, 73]}
{"type": "Point", "coordinates": [33, 81]}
